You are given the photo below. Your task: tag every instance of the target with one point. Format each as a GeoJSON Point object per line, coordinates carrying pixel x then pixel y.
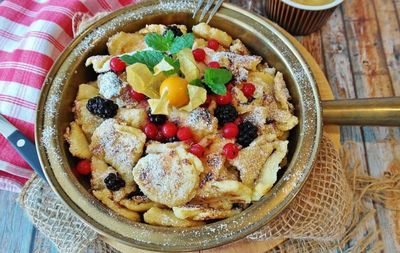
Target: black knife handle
{"type": "Point", "coordinates": [27, 150]}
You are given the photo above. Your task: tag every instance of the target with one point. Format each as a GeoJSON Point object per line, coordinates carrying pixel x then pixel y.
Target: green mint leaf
{"type": "Point", "coordinates": [185, 41]}
{"type": "Point", "coordinates": [218, 89]}
{"type": "Point", "coordinates": [216, 80]}
{"type": "Point", "coordinates": [169, 36]}
{"type": "Point", "coordinates": [158, 42]}
{"type": "Point", "coordinates": [197, 82]}
{"type": "Point", "coordinates": [149, 58]}
{"type": "Point", "coordinates": [174, 63]}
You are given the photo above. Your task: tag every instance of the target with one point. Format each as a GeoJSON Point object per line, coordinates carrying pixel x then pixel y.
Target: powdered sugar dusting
{"type": "Point", "coordinates": [118, 147]}
{"type": "Point", "coordinates": [169, 178]}
{"type": "Point", "coordinates": [109, 84]}
{"type": "Point", "coordinates": [238, 64]}
{"type": "Point", "coordinates": [48, 136]}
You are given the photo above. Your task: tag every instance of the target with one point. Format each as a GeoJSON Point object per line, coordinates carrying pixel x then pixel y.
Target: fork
{"type": "Point", "coordinates": [218, 4]}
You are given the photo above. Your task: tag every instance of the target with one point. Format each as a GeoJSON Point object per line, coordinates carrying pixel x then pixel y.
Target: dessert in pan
{"type": "Point", "coordinates": [180, 128]}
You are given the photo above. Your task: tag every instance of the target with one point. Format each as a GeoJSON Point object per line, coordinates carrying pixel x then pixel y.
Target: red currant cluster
{"type": "Point", "coordinates": [200, 55]}
{"type": "Point", "coordinates": [170, 130]}
{"type": "Point", "coordinates": [231, 130]}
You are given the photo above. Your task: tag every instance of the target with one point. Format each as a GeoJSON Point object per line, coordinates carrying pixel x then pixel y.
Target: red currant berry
{"type": "Point", "coordinates": [230, 150]}
{"type": "Point", "coordinates": [214, 65]}
{"type": "Point", "coordinates": [199, 54]}
{"type": "Point", "coordinates": [151, 131]}
{"type": "Point", "coordinates": [197, 150]}
{"type": "Point", "coordinates": [230, 130]}
{"type": "Point", "coordinates": [84, 167]}
{"type": "Point", "coordinates": [248, 89]}
{"type": "Point", "coordinates": [117, 65]}
{"type": "Point", "coordinates": [213, 44]}
{"type": "Point", "coordinates": [238, 121]}
{"type": "Point", "coordinates": [225, 99]}
{"type": "Point", "coordinates": [229, 86]}
{"type": "Point", "coordinates": [169, 130]}
{"type": "Point", "coordinates": [184, 133]}
{"type": "Point", "coordinates": [136, 95]}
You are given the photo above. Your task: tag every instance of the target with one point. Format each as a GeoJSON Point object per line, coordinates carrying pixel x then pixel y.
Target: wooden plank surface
{"type": "Point", "coordinates": [359, 50]}
{"type": "Point", "coordinates": [372, 79]}
{"type": "Point", "coordinates": [388, 21]}
{"type": "Point", "coordinates": [339, 74]}
{"type": "Point", "coordinates": [16, 231]}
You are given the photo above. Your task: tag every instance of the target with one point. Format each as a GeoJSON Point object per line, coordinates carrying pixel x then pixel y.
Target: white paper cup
{"type": "Point", "coordinates": [300, 19]}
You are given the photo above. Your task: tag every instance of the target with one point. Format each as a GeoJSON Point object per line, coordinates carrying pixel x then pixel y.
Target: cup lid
{"type": "Point", "coordinates": [327, 6]}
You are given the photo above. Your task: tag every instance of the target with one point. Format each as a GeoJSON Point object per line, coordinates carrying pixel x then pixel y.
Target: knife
{"type": "Point", "coordinates": [22, 144]}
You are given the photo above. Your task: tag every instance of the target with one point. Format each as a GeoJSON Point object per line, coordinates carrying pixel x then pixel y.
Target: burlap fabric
{"type": "Point", "coordinates": [316, 219]}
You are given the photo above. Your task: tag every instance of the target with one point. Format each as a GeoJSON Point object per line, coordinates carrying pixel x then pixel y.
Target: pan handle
{"type": "Point", "coordinates": [365, 112]}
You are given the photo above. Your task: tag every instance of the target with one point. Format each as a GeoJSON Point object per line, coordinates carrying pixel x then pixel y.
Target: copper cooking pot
{"type": "Point", "coordinates": [262, 38]}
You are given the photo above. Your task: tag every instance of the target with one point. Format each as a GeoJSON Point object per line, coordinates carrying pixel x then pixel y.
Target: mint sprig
{"type": "Point", "coordinates": [159, 42]}
{"type": "Point", "coordinates": [216, 79]}
{"type": "Point", "coordinates": [150, 58]}
{"type": "Point", "coordinates": [168, 42]}
{"type": "Point", "coordinates": [185, 41]}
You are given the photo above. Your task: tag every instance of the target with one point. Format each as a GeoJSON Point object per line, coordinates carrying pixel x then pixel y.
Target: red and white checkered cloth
{"type": "Point", "coordinates": [32, 35]}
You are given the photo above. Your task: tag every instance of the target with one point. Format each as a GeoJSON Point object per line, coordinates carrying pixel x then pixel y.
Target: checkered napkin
{"type": "Point", "coordinates": [32, 35]}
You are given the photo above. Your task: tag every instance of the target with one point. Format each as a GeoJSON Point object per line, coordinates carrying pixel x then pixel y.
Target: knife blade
{"type": "Point", "coordinates": [21, 144]}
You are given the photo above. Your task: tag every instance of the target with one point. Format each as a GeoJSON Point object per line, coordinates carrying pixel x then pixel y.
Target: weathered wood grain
{"type": "Point", "coordinates": [397, 6]}
{"type": "Point", "coordinates": [372, 79]}
{"type": "Point", "coordinates": [388, 21]}
{"type": "Point", "coordinates": [339, 74]}
{"type": "Point", "coordinates": [336, 54]}
{"type": "Point", "coordinates": [313, 44]}
{"type": "Point", "coordinates": [369, 66]}
{"type": "Point", "coordinates": [16, 229]}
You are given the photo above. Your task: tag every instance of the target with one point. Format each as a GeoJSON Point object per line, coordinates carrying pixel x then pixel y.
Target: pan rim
{"type": "Point", "coordinates": [91, 222]}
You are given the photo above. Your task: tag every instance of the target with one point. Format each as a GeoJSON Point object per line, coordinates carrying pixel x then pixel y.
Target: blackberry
{"type": "Point", "coordinates": [157, 119]}
{"type": "Point", "coordinates": [247, 134]}
{"type": "Point", "coordinates": [174, 29]}
{"type": "Point", "coordinates": [101, 107]}
{"type": "Point", "coordinates": [114, 182]}
{"type": "Point", "coordinates": [225, 114]}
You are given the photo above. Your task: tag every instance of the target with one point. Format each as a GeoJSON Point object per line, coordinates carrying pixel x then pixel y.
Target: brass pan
{"type": "Point", "coordinates": [58, 93]}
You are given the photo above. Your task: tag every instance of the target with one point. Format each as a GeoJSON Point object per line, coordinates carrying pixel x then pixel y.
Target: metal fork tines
{"type": "Point", "coordinates": [207, 8]}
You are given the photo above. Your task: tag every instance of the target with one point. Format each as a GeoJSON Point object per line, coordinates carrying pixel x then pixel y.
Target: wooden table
{"type": "Point", "coordinates": [359, 51]}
